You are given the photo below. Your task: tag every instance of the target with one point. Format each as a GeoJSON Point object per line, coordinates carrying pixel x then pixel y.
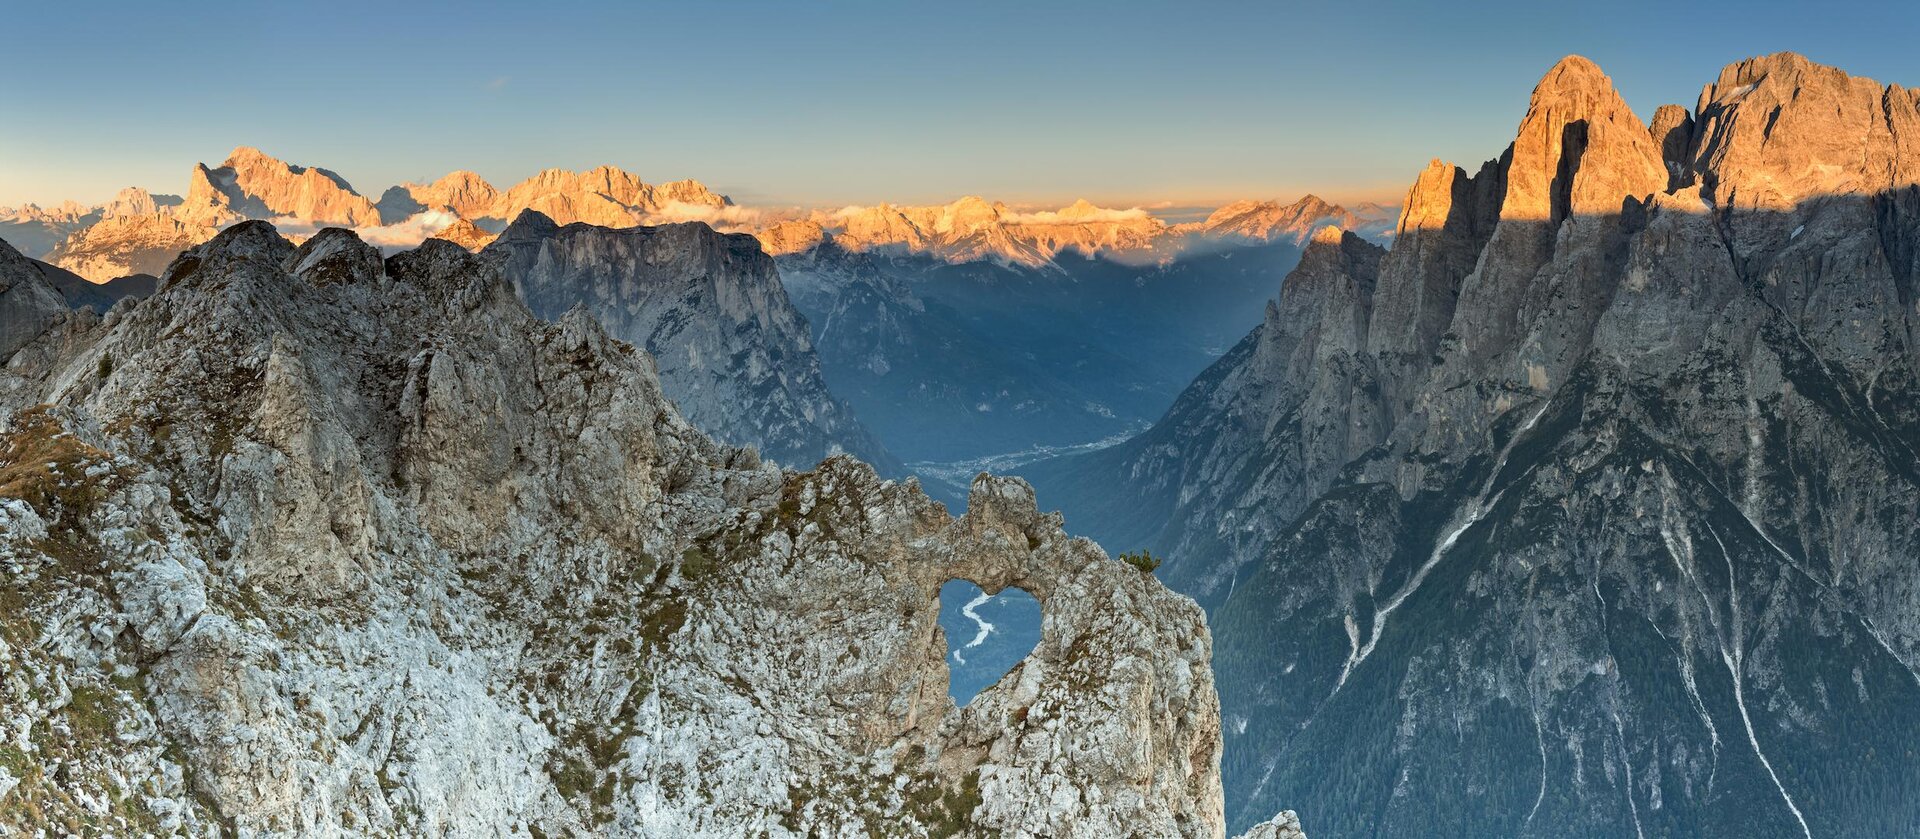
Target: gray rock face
{"type": "Point", "coordinates": [1634, 552]}
{"type": "Point", "coordinates": [28, 303]}
{"type": "Point", "coordinates": [345, 545]}
{"type": "Point", "coordinates": [733, 353]}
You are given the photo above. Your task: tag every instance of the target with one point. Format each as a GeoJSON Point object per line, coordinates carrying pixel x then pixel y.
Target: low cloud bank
{"type": "Point", "coordinates": [408, 233]}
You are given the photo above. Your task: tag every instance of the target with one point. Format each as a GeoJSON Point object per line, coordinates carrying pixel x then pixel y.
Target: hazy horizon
{"type": "Point", "coordinates": [848, 105]}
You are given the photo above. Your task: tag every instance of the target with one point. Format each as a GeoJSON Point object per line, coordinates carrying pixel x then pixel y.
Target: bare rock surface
{"type": "Point", "coordinates": [28, 303]}
{"type": "Point", "coordinates": [338, 544]}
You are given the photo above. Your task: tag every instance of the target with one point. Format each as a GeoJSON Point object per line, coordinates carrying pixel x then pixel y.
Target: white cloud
{"type": "Point", "coordinates": [729, 218]}
{"type": "Point", "coordinates": [1100, 214]}
{"type": "Point", "coordinates": [402, 234]}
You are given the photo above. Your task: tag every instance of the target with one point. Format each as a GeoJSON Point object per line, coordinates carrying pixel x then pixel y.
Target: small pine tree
{"type": "Point", "coordinates": [1144, 560]}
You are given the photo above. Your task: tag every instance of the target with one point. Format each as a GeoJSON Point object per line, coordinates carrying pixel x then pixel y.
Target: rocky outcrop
{"type": "Point", "coordinates": [1283, 826]}
{"type": "Point", "coordinates": [344, 544]}
{"type": "Point", "coordinates": [1631, 551]}
{"type": "Point", "coordinates": [465, 234]}
{"type": "Point", "coordinates": [733, 353]}
{"type": "Point", "coordinates": [1672, 132]}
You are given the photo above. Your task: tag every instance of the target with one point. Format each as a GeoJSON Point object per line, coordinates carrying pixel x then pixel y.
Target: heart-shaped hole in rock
{"type": "Point", "coordinates": [986, 635]}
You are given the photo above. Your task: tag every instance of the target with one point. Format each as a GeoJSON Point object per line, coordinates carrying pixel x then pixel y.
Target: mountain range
{"type": "Point", "coordinates": [1588, 507]}
{"type": "Point", "coordinates": [1575, 498]}
{"type": "Point", "coordinates": [250, 184]}
{"type": "Point", "coordinates": [995, 333]}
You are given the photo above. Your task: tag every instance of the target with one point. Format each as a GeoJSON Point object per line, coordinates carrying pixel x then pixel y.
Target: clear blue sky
{"type": "Point", "coordinates": [832, 103]}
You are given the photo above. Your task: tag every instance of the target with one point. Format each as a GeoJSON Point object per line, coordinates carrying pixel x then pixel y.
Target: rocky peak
{"type": "Point", "coordinates": [206, 205]}
{"type": "Point", "coordinates": [733, 352]}
{"type": "Point", "coordinates": [1672, 133]}
{"type": "Point", "coordinates": [1338, 266]}
{"type": "Point", "coordinates": [1576, 179]}
{"type": "Point", "coordinates": [248, 157]}
{"type": "Point", "coordinates": [257, 185]}
{"type": "Point", "coordinates": [1446, 221]}
{"type": "Point", "coordinates": [529, 226]}
{"type": "Point", "coordinates": [249, 242]}
{"type": "Point", "coordinates": [1430, 199]}
{"type": "Point", "coordinates": [689, 191]}
{"type": "Point", "coordinates": [790, 237]}
{"type": "Point", "coordinates": [1311, 203]}
{"type": "Point", "coordinates": [968, 215]}
{"type": "Point", "coordinates": [466, 234]}
{"type": "Point", "coordinates": [1081, 209]}
{"type": "Point", "coordinates": [463, 192]}
{"type": "Point", "coordinates": [335, 256]}
{"type": "Point", "coordinates": [134, 201]}
{"type": "Point", "coordinates": [451, 271]}
{"type": "Point", "coordinates": [1779, 130]}
{"type": "Point", "coordinates": [460, 192]}
{"type": "Point", "coordinates": [882, 225]}
{"type": "Point", "coordinates": [1812, 174]}
{"type": "Point", "coordinates": [1579, 150]}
